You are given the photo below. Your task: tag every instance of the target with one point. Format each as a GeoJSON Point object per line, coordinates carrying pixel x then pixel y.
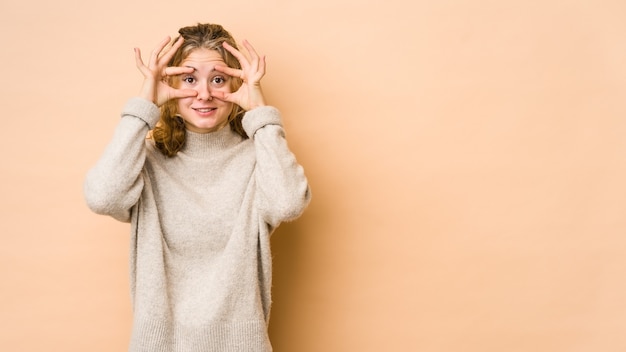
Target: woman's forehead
{"type": "Point", "coordinates": [203, 57]}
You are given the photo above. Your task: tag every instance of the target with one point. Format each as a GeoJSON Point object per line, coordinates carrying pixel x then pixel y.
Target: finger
{"type": "Point", "coordinates": [261, 68]}
{"type": "Point", "coordinates": [140, 64]}
{"type": "Point", "coordinates": [154, 57]}
{"type": "Point", "coordinates": [237, 54]}
{"type": "Point", "coordinates": [138, 60]}
{"type": "Point", "coordinates": [233, 72]}
{"type": "Point", "coordinates": [176, 70]}
{"type": "Point", "coordinates": [253, 54]}
{"type": "Point", "coordinates": [257, 61]}
{"type": "Point", "coordinates": [171, 51]}
{"type": "Point", "coordinates": [223, 96]}
{"type": "Point", "coordinates": [182, 93]}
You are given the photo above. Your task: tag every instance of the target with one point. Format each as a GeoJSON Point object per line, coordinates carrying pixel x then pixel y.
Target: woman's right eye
{"type": "Point", "coordinates": [189, 80]}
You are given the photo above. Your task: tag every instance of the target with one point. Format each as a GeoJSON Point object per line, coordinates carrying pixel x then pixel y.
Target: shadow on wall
{"type": "Point", "coordinates": [290, 257]}
{"type": "Point", "coordinates": [296, 250]}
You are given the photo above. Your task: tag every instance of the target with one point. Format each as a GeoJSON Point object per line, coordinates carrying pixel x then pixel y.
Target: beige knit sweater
{"type": "Point", "coordinates": [201, 222]}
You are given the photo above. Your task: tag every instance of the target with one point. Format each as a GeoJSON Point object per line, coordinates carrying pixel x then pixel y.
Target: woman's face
{"type": "Point", "coordinates": [203, 113]}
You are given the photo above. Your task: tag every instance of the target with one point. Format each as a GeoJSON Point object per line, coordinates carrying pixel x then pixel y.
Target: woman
{"type": "Point", "coordinates": [203, 192]}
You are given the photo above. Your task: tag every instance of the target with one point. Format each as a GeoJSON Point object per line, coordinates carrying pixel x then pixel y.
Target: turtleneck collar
{"type": "Point", "coordinates": [207, 144]}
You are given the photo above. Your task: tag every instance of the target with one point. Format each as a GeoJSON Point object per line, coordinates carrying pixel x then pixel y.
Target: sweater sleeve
{"type": "Point", "coordinates": [282, 188]}
{"type": "Point", "coordinates": [113, 185]}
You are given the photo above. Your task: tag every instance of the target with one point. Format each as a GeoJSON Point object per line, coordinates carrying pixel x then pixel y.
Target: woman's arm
{"type": "Point", "coordinates": [283, 190]}
{"type": "Point", "coordinates": [115, 183]}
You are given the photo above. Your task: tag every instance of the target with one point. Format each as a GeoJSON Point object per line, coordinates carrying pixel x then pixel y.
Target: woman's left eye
{"type": "Point", "coordinates": [218, 80]}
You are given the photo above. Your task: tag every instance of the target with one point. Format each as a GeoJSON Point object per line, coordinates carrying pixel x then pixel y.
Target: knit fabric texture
{"type": "Point", "coordinates": [201, 266]}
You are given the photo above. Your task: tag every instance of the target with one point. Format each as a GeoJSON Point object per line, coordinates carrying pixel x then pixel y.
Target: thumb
{"type": "Point", "coordinates": [183, 93]}
{"type": "Point", "coordinates": [229, 97]}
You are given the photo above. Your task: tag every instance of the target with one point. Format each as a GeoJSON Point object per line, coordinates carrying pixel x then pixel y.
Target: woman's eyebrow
{"type": "Point", "coordinates": [196, 70]}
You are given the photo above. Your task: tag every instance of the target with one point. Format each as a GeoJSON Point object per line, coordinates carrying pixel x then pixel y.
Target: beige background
{"type": "Point", "coordinates": [467, 160]}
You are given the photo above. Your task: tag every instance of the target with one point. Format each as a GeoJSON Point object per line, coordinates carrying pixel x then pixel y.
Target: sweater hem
{"type": "Point", "coordinates": [161, 336]}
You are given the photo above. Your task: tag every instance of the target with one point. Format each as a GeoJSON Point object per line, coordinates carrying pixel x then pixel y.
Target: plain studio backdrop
{"type": "Point", "coordinates": [466, 157]}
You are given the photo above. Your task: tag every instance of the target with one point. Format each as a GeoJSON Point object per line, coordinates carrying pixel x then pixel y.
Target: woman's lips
{"type": "Point", "coordinates": [204, 109]}
{"type": "Point", "coordinates": [205, 112]}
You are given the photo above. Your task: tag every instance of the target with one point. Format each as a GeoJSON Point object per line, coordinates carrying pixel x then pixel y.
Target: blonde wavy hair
{"type": "Point", "coordinates": [169, 134]}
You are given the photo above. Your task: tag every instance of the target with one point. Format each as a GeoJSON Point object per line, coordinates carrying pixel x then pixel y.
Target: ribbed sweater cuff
{"type": "Point", "coordinates": [142, 109]}
{"type": "Point", "coordinates": [260, 117]}
{"type": "Point", "coordinates": [234, 337]}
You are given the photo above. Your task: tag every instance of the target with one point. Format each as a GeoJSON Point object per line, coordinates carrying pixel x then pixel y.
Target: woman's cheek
{"type": "Point", "coordinates": [224, 89]}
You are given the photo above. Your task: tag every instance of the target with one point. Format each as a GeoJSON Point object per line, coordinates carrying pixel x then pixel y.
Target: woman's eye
{"type": "Point", "coordinates": [218, 80]}
{"type": "Point", "coordinates": [189, 80]}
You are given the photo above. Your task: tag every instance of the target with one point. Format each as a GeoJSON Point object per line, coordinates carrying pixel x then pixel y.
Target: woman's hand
{"type": "Point", "coordinates": [249, 95]}
{"type": "Point", "coordinates": [156, 74]}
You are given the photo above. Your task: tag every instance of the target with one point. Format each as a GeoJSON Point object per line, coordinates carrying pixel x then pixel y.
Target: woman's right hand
{"type": "Point", "coordinates": [156, 74]}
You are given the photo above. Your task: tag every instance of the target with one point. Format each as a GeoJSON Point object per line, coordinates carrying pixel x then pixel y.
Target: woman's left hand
{"type": "Point", "coordinates": [249, 95]}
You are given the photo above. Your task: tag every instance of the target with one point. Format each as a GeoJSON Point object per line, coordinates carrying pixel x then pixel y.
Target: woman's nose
{"type": "Point", "coordinates": [204, 92]}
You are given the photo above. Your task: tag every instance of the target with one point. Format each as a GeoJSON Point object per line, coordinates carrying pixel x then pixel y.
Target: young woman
{"type": "Point", "coordinates": [200, 167]}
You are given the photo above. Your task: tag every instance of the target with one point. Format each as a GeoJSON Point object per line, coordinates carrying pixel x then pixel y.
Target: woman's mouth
{"type": "Point", "coordinates": [204, 110]}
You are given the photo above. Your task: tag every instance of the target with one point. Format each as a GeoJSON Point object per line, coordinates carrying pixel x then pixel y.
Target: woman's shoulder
{"type": "Point", "coordinates": [152, 152]}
